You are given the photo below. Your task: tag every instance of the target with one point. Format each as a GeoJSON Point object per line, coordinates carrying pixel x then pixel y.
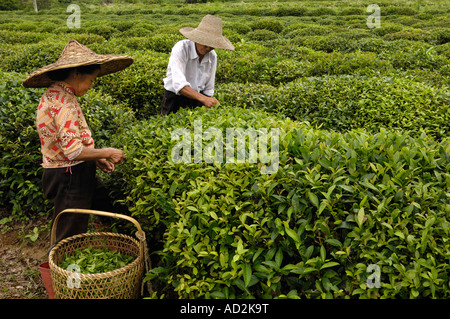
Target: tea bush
{"type": "Point", "coordinates": [298, 62]}
{"type": "Point", "coordinates": [20, 188]}
{"type": "Point", "coordinates": [13, 37]}
{"type": "Point", "coordinates": [267, 24]}
{"type": "Point", "coordinates": [159, 43]}
{"type": "Point", "coordinates": [141, 85]}
{"type": "Point", "coordinates": [416, 59]}
{"type": "Point", "coordinates": [338, 203]}
{"type": "Point", "coordinates": [261, 35]}
{"type": "Point", "coordinates": [238, 27]}
{"type": "Point", "coordinates": [25, 58]}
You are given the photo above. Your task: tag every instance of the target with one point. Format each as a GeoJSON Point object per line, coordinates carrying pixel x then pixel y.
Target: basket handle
{"type": "Point", "coordinates": [93, 212]}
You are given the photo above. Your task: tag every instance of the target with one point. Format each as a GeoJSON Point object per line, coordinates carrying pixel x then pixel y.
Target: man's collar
{"type": "Point", "coordinates": [193, 53]}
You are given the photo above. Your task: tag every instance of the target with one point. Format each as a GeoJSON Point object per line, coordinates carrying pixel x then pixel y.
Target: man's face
{"type": "Point", "coordinates": [202, 49]}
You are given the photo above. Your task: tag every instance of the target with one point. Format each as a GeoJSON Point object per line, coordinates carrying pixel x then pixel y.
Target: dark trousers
{"type": "Point", "coordinates": [74, 187]}
{"type": "Point", "coordinates": [172, 102]}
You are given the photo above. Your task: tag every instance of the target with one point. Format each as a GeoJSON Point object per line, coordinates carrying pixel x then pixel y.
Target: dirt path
{"type": "Point", "coordinates": [20, 258]}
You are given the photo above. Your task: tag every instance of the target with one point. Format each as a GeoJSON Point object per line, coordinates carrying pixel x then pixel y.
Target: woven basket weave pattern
{"type": "Point", "coordinates": [122, 283]}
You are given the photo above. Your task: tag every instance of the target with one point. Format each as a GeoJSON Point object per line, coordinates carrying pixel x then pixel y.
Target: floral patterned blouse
{"type": "Point", "coordinates": [62, 128]}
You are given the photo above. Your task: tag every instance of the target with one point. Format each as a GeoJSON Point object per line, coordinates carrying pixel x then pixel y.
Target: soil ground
{"type": "Point", "coordinates": [20, 257]}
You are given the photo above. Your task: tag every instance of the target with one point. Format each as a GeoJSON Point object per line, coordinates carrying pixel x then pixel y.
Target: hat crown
{"type": "Point", "coordinates": [208, 32]}
{"type": "Point", "coordinates": [74, 50]}
{"type": "Point", "coordinates": [211, 24]}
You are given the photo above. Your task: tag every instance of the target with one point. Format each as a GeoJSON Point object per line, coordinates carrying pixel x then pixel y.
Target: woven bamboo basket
{"type": "Point", "coordinates": [122, 283]}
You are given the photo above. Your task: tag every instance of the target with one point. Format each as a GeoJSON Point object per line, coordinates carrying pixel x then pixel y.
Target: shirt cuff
{"type": "Point", "coordinates": [208, 92]}
{"type": "Point", "coordinates": [179, 86]}
{"type": "Point", "coordinates": [74, 152]}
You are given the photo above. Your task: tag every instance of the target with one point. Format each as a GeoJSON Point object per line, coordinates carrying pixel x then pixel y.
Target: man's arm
{"type": "Point", "coordinates": [207, 101]}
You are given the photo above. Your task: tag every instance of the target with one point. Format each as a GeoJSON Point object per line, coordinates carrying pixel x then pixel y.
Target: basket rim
{"type": "Point", "coordinates": [115, 272]}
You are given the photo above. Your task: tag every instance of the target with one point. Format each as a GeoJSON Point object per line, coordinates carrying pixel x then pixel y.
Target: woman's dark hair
{"type": "Point", "coordinates": [62, 74]}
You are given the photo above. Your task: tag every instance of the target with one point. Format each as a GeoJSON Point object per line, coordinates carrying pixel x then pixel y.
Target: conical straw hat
{"type": "Point", "coordinates": [74, 55]}
{"type": "Point", "coordinates": [208, 32]}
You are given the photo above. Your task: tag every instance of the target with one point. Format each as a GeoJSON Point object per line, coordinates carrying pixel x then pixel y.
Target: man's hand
{"type": "Point", "coordinates": [210, 102]}
{"type": "Point", "coordinates": [207, 101]}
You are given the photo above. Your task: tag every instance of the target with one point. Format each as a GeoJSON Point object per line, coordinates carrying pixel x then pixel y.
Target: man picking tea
{"type": "Point", "coordinates": [191, 71]}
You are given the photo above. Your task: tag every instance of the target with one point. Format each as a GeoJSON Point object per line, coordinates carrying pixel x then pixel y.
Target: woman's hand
{"type": "Point", "coordinates": [105, 166]}
{"type": "Point", "coordinates": [115, 155]}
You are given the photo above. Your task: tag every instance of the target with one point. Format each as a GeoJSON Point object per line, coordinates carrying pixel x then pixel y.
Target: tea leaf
{"type": "Point", "coordinates": [360, 217]}
{"type": "Point", "coordinates": [247, 274]}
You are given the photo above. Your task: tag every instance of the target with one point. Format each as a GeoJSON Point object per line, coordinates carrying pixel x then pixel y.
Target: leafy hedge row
{"type": "Point", "coordinates": [348, 102]}
{"type": "Point", "coordinates": [282, 49]}
{"type": "Point", "coordinates": [274, 9]}
{"type": "Point", "coordinates": [20, 188]}
{"type": "Point", "coordinates": [366, 52]}
{"type": "Point", "coordinates": [338, 203]}
{"type": "Point", "coordinates": [141, 85]}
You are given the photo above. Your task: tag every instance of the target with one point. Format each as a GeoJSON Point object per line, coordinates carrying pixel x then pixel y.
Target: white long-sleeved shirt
{"type": "Point", "coordinates": [184, 69]}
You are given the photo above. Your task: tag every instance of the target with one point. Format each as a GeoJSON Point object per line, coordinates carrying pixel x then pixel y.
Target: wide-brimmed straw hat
{"type": "Point", "coordinates": [208, 32]}
{"type": "Point", "coordinates": [75, 55]}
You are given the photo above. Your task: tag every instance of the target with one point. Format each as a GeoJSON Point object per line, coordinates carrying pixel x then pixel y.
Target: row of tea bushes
{"type": "Point", "coordinates": [141, 85]}
{"type": "Point", "coordinates": [293, 50]}
{"type": "Point", "coordinates": [348, 102]}
{"type": "Point", "coordinates": [269, 66]}
{"type": "Point", "coordinates": [275, 62]}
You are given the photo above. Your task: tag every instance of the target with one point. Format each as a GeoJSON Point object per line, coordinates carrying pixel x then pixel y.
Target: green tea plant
{"type": "Point", "coordinates": [20, 188]}
{"type": "Point", "coordinates": [339, 203]}
{"type": "Point", "coordinates": [140, 86]}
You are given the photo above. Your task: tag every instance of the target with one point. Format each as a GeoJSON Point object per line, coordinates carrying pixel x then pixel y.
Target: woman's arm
{"type": "Point", "coordinates": [111, 154]}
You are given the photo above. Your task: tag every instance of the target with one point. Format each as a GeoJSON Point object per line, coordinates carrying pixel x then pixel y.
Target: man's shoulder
{"type": "Point", "coordinates": [181, 45]}
{"type": "Point", "coordinates": [180, 49]}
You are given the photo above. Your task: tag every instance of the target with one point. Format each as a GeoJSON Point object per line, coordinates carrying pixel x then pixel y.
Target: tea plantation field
{"type": "Point", "coordinates": [359, 206]}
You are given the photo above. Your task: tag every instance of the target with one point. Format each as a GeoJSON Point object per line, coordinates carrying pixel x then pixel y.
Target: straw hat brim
{"type": "Point", "coordinates": [76, 55]}
{"type": "Point", "coordinates": [204, 38]}
{"type": "Point", "coordinates": [108, 64]}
